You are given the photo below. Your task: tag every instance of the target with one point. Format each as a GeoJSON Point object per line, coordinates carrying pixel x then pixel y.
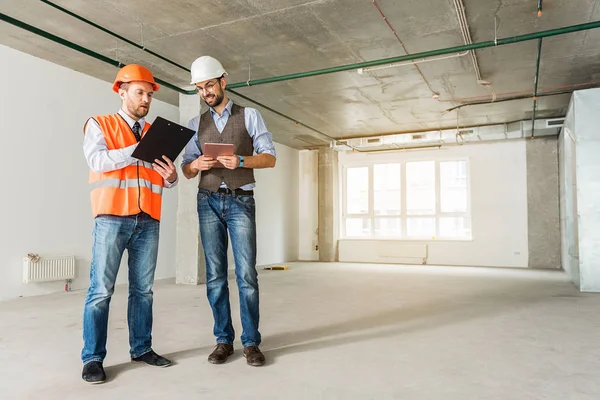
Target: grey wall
{"type": "Point", "coordinates": [543, 219]}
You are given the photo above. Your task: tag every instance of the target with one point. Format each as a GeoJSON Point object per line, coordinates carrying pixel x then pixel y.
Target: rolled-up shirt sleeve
{"type": "Point", "coordinates": [99, 158]}
{"type": "Point", "coordinates": [262, 139]}
{"type": "Point", "coordinates": [192, 151]}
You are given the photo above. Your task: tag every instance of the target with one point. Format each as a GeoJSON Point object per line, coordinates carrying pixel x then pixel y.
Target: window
{"type": "Point", "coordinates": [357, 202]}
{"type": "Point", "coordinates": [414, 200]}
{"type": "Point", "coordinates": [386, 200]}
{"type": "Point", "coordinates": [358, 190]}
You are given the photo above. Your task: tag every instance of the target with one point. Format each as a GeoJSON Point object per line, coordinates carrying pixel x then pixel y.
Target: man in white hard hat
{"type": "Point", "coordinates": [226, 202]}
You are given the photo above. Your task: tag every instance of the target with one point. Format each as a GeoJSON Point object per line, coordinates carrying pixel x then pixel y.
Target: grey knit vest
{"type": "Point", "coordinates": [235, 132]}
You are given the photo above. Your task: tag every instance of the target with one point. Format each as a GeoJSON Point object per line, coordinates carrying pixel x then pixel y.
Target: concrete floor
{"type": "Point", "coordinates": [331, 331]}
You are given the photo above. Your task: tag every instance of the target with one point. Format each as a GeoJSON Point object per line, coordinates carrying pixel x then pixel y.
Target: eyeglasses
{"type": "Point", "coordinates": [209, 87]}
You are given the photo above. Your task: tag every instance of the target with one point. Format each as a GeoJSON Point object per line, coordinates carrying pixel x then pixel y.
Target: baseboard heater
{"type": "Point", "coordinates": [385, 251]}
{"type": "Point", "coordinates": [48, 269]}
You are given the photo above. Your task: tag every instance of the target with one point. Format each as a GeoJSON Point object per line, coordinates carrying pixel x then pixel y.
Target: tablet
{"type": "Point", "coordinates": [163, 138]}
{"type": "Point", "coordinates": [215, 150]}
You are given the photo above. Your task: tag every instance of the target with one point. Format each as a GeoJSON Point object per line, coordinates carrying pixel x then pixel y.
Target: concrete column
{"type": "Point", "coordinates": [542, 203]}
{"type": "Point", "coordinates": [328, 205]}
{"type": "Point", "coordinates": [190, 264]}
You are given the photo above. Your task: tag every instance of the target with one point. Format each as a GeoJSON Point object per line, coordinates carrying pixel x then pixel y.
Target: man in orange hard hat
{"type": "Point", "coordinates": [126, 196]}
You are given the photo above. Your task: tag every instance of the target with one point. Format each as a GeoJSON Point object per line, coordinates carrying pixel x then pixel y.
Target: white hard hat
{"type": "Point", "coordinates": [205, 68]}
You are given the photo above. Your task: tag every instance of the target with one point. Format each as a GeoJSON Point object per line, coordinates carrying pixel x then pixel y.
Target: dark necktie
{"type": "Point", "coordinates": [136, 131]}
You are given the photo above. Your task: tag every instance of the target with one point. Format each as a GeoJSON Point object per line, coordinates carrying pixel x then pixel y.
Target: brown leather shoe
{"type": "Point", "coordinates": [220, 353]}
{"type": "Point", "coordinates": [253, 356]}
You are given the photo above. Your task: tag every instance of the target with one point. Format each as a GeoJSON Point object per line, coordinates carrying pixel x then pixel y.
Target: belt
{"type": "Point", "coordinates": [236, 192]}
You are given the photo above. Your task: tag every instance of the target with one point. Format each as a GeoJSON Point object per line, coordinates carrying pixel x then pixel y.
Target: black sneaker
{"type": "Point", "coordinates": [153, 359]}
{"type": "Point", "coordinates": [93, 372]}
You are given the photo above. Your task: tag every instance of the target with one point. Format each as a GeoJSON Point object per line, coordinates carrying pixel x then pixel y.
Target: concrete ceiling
{"type": "Point", "coordinates": [286, 36]}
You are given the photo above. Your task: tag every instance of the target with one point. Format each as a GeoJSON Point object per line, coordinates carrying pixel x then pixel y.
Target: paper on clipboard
{"type": "Point", "coordinates": [214, 150]}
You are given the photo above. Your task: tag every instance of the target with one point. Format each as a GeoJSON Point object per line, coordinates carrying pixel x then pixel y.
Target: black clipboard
{"type": "Point", "coordinates": [163, 138]}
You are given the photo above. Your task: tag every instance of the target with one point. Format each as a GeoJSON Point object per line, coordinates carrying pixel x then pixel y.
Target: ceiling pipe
{"type": "Point", "coordinates": [522, 97]}
{"type": "Point", "coordinates": [425, 54]}
{"type": "Point", "coordinates": [400, 148]}
{"type": "Point", "coordinates": [466, 34]}
{"type": "Point", "coordinates": [298, 123]}
{"type": "Point", "coordinates": [87, 21]}
{"type": "Point", "coordinates": [588, 85]}
{"type": "Point", "coordinates": [363, 65]}
{"type": "Point", "coordinates": [361, 71]}
{"type": "Point", "coordinates": [430, 130]}
{"type": "Point", "coordinates": [535, 86]}
{"type": "Point", "coordinates": [449, 50]}
{"type": "Point", "coordinates": [433, 92]}
{"type": "Point", "coordinates": [118, 64]}
{"type": "Point", "coordinates": [463, 23]}
{"type": "Point", "coordinates": [78, 48]}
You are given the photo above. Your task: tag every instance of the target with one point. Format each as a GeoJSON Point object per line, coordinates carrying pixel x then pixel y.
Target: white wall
{"type": "Point", "coordinates": [308, 237]}
{"type": "Point", "coordinates": [568, 200]}
{"type": "Point", "coordinates": [276, 198]}
{"type": "Point", "coordinates": [581, 190]}
{"type": "Point", "coordinates": [45, 205]}
{"type": "Point", "coordinates": [498, 181]}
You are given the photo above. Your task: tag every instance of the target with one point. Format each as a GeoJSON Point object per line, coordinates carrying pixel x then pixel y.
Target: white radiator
{"type": "Point", "coordinates": [402, 250]}
{"type": "Point", "coordinates": [383, 251]}
{"type": "Point", "coordinates": [48, 269]}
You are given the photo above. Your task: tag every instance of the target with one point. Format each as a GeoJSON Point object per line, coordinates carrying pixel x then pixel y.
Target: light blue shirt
{"type": "Point", "coordinates": [262, 139]}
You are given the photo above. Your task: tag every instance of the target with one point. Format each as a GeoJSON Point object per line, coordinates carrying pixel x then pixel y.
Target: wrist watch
{"type": "Point", "coordinates": [241, 164]}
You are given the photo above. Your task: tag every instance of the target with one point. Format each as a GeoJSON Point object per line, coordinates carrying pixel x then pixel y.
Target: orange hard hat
{"type": "Point", "coordinates": [134, 72]}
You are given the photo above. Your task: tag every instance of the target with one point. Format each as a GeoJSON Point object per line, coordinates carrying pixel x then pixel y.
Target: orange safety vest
{"type": "Point", "coordinates": [129, 190]}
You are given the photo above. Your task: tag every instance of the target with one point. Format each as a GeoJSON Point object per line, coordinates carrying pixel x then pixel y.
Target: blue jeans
{"type": "Point", "coordinates": [218, 213]}
{"type": "Point", "coordinates": [112, 235]}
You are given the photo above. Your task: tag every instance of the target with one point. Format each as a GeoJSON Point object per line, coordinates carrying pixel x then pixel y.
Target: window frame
{"type": "Point", "coordinates": [403, 197]}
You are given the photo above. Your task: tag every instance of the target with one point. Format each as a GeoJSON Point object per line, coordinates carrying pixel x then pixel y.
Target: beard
{"type": "Point", "coordinates": [214, 100]}
{"type": "Point", "coordinates": [140, 111]}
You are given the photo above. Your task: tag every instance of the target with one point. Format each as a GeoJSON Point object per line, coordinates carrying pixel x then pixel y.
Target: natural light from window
{"type": "Point", "coordinates": [413, 200]}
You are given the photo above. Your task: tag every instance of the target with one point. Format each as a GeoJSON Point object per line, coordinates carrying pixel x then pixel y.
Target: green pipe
{"type": "Point", "coordinates": [78, 48]}
{"type": "Point", "coordinates": [458, 49]}
{"type": "Point", "coordinates": [535, 87]}
{"type": "Point", "coordinates": [191, 92]}
{"type": "Point", "coordinates": [281, 115]}
{"type": "Point", "coordinates": [425, 54]}
{"type": "Point", "coordinates": [474, 46]}
{"type": "Point", "coordinates": [57, 39]}
{"type": "Point", "coordinates": [118, 64]}
{"type": "Point", "coordinates": [72, 14]}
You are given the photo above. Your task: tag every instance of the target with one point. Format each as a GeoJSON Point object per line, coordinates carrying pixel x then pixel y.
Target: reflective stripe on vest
{"type": "Point", "coordinates": [129, 190]}
{"type": "Point", "coordinates": [127, 183]}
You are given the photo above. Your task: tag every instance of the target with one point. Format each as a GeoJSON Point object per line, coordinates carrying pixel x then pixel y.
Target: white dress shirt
{"type": "Point", "coordinates": [101, 159]}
